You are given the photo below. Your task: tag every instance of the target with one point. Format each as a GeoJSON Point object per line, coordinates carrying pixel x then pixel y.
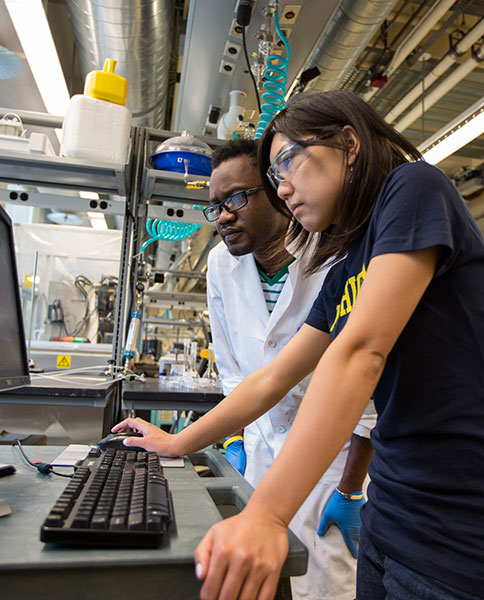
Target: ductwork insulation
{"type": "Point", "coordinates": [351, 29]}
{"type": "Point", "coordinates": [137, 34]}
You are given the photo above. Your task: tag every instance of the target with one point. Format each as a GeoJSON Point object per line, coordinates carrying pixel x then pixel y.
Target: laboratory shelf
{"type": "Point", "coordinates": [176, 300]}
{"type": "Point", "coordinates": [62, 201]}
{"type": "Point", "coordinates": [58, 172]}
{"type": "Point", "coordinates": [165, 186]}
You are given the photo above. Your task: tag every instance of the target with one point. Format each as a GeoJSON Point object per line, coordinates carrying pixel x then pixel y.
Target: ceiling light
{"type": "Point", "coordinates": [463, 129]}
{"type": "Point", "coordinates": [89, 195]}
{"type": "Point", "coordinates": [30, 22]}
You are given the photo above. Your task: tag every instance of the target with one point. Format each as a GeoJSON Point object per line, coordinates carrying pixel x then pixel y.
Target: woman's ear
{"type": "Point", "coordinates": [352, 142]}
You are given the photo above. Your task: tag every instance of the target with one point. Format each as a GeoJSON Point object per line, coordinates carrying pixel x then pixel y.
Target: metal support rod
{"type": "Point", "coordinates": [127, 247]}
{"type": "Point", "coordinates": [36, 258]}
{"type": "Point", "coordinates": [35, 118]}
{"type": "Point", "coordinates": [185, 274]}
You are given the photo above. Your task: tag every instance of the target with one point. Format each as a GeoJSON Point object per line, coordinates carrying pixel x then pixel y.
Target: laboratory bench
{"type": "Point", "coordinates": [81, 408]}
{"type": "Point", "coordinates": [31, 569]}
{"type": "Point", "coordinates": [161, 394]}
{"type": "Point", "coordinates": [91, 404]}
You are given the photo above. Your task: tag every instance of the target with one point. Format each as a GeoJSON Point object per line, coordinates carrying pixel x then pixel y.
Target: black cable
{"type": "Point", "coordinates": [42, 467]}
{"type": "Point", "coordinates": [62, 320]}
{"type": "Point", "coordinates": [244, 45]}
{"type": "Point", "coordinates": [79, 283]}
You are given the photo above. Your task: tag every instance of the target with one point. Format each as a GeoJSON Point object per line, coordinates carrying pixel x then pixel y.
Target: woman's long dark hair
{"type": "Point", "coordinates": [381, 149]}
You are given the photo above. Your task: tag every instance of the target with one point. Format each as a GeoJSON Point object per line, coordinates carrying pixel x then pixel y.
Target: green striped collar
{"type": "Point", "coordinates": [279, 275]}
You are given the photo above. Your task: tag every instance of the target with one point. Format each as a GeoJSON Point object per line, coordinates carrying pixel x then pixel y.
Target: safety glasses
{"type": "Point", "coordinates": [290, 158]}
{"type": "Point", "coordinates": [285, 163]}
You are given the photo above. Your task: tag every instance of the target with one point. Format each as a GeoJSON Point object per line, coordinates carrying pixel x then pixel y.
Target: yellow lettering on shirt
{"type": "Point", "coordinates": [359, 278]}
{"type": "Point", "coordinates": [350, 294]}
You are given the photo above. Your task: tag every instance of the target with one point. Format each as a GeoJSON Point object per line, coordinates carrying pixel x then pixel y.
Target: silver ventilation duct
{"type": "Point", "coordinates": [137, 34]}
{"type": "Point", "coordinates": [351, 29]}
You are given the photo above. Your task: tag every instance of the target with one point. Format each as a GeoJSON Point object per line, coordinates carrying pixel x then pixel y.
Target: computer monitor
{"type": "Point", "coordinates": [14, 369]}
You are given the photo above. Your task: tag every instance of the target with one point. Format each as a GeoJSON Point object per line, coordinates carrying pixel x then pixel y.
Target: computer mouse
{"type": "Point", "coordinates": [115, 441]}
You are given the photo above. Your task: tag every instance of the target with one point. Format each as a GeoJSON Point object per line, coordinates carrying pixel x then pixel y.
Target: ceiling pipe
{"type": "Point", "coordinates": [351, 29]}
{"type": "Point", "coordinates": [440, 68]}
{"type": "Point", "coordinates": [431, 18]}
{"type": "Point", "coordinates": [137, 34]}
{"type": "Point", "coordinates": [457, 11]}
{"type": "Point", "coordinates": [440, 90]}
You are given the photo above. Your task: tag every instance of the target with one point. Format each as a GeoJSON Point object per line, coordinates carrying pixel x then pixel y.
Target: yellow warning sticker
{"type": "Point", "coordinates": [63, 361]}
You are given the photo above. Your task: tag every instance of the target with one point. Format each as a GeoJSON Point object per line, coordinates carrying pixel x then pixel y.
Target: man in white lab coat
{"type": "Point", "coordinates": [258, 297]}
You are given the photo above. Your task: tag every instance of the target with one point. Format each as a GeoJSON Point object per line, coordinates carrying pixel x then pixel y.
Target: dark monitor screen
{"type": "Point", "coordinates": [14, 369]}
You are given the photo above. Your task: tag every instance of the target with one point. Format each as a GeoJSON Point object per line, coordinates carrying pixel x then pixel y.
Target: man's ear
{"type": "Point", "coordinates": [352, 142]}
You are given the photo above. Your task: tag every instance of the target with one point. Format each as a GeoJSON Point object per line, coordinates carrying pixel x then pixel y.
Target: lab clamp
{"type": "Point", "coordinates": [144, 276]}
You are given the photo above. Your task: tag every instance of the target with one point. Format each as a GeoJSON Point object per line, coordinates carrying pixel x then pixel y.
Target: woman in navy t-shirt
{"type": "Point", "coordinates": [412, 335]}
{"type": "Point", "coordinates": [400, 318]}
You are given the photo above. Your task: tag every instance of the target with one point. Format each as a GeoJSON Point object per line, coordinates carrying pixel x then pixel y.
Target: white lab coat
{"type": "Point", "coordinates": [246, 337]}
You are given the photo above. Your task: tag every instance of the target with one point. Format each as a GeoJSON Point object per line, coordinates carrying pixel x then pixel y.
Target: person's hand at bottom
{"type": "Point", "coordinates": [240, 558]}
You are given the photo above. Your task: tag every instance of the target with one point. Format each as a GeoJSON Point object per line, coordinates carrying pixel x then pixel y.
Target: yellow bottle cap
{"type": "Point", "coordinates": [106, 85]}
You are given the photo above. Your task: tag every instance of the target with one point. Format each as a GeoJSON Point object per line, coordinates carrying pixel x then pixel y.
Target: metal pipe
{"type": "Point", "coordinates": [137, 34]}
{"type": "Point", "coordinates": [159, 321]}
{"type": "Point", "coordinates": [458, 10]}
{"type": "Point", "coordinates": [32, 301]}
{"type": "Point", "coordinates": [35, 118]}
{"type": "Point", "coordinates": [353, 26]}
{"type": "Point", "coordinates": [432, 16]}
{"type": "Point", "coordinates": [185, 274]}
{"type": "Point", "coordinates": [440, 68]}
{"type": "Point", "coordinates": [440, 90]}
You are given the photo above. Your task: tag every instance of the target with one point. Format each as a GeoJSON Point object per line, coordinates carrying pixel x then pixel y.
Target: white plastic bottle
{"type": "Point", "coordinates": [97, 124]}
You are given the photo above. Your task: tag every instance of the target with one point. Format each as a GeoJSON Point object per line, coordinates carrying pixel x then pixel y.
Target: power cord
{"type": "Point", "coordinates": [42, 467]}
{"type": "Point", "coordinates": [243, 19]}
{"type": "Point", "coordinates": [246, 55]}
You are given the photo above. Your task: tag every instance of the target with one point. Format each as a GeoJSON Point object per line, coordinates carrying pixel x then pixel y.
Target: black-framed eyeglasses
{"type": "Point", "coordinates": [231, 204]}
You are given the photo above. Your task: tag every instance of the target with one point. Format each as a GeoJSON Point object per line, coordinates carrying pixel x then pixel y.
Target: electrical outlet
{"type": "Point", "coordinates": [287, 33]}
{"type": "Point", "coordinates": [236, 30]}
{"type": "Point", "coordinates": [227, 67]}
{"type": "Point", "coordinates": [232, 50]}
{"type": "Point", "coordinates": [289, 14]}
{"type": "Point", "coordinates": [209, 131]}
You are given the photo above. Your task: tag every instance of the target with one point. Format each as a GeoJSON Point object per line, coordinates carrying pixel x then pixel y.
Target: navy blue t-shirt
{"type": "Point", "coordinates": [426, 497]}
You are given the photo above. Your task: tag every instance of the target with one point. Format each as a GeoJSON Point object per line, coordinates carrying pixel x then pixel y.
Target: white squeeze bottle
{"type": "Point", "coordinates": [97, 124]}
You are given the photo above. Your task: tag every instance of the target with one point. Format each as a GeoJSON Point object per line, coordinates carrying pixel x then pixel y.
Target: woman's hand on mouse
{"type": "Point", "coordinates": [154, 439]}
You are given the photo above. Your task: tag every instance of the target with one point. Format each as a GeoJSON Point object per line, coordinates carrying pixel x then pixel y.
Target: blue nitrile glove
{"type": "Point", "coordinates": [235, 453]}
{"type": "Point", "coordinates": [344, 512]}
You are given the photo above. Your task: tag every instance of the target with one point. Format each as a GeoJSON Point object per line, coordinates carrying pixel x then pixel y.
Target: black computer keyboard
{"type": "Point", "coordinates": [115, 498]}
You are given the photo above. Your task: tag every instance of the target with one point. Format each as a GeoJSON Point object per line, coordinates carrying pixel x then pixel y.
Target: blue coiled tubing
{"type": "Point", "coordinates": [171, 231]}
{"type": "Point", "coordinates": [275, 84]}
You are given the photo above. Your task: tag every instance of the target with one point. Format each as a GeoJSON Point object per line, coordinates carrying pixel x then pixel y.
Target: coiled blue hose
{"type": "Point", "coordinates": [275, 84]}
{"type": "Point", "coordinates": [171, 231]}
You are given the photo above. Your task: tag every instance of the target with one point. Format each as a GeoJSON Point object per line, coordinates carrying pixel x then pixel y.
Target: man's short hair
{"type": "Point", "coordinates": [233, 149]}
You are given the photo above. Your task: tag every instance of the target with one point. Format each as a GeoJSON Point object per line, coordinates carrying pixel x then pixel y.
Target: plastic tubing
{"type": "Point", "coordinates": [171, 231]}
{"type": "Point", "coordinates": [275, 84]}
